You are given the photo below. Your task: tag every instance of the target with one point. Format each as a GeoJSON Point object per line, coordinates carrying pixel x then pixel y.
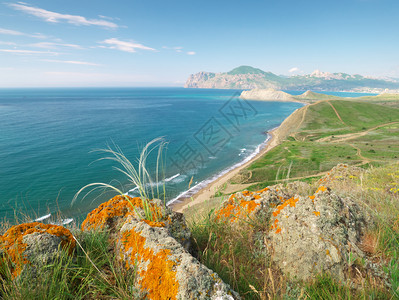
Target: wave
{"type": "Point", "coordinates": [177, 178]}
{"type": "Point", "coordinates": [197, 187]}
{"type": "Point", "coordinates": [63, 222]}
{"type": "Point", "coordinates": [172, 177]}
{"type": "Point", "coordinates": [43, 218]}
{"type": "Point", "coordinates": [66, 221]}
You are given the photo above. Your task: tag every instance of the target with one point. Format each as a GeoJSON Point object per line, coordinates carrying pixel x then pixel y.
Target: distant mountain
{"type": "Point", "coordinates": [246, 77]}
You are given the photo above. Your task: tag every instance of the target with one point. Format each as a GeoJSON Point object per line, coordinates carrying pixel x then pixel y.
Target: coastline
{"type": "Point", "coordinates": [206, 192]}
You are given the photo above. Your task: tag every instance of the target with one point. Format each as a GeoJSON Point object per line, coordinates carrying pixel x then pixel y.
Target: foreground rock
{"type": "Point", "coordinates": [155, 245]}
{"type": "Point", "coordinates": [34, 245]}
{"type": "Point", "coordinates": [307, 235]}
{"type": "Point", "coordinates": [112, 214]}
{"type": "Point", "coordinates": [164, 268]}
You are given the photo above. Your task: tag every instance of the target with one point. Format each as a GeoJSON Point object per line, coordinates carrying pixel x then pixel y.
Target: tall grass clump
{"type": "Point", "coordinates": [92, 273]}
{"type": "Point", "coordinates": [139, 177]}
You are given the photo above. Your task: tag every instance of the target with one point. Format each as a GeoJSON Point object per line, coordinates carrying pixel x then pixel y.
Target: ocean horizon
{"type": "Point", "coordinates": [49, 137]}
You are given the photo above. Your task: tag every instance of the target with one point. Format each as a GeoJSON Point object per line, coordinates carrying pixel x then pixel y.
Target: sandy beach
{"type": "Point", "coordinates": [208, 191]}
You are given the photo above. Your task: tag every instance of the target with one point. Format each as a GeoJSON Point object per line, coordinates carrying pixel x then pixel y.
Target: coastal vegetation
{"type": "Point", "coordinates": [334, 170]}
{"type": "Point", "coordinates": [329, 133]}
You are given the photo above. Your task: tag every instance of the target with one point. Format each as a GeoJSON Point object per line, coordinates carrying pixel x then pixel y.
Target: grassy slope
{"type": "Point", "coordinates": [304, 153]}
{"type": "Point", "coordinates": [226, 249]}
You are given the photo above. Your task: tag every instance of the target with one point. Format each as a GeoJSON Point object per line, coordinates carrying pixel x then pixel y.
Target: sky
{"type": "Point", "coordinates": [101, 43]}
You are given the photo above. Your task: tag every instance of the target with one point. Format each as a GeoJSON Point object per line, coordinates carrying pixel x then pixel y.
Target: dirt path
{"type": "Point", "coordinates": [336, 112]}
{"type": "Point", "coordinates": [365, 160]}
{"type": "Point", "coordinates": [305, 110]}
{"type": "Point", "coordinates": [350, 136]}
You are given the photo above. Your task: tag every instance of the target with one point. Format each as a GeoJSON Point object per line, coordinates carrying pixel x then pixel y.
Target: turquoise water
{"type": "Point", "coordinates": [340, 94]}
{"type": "Point", "coordinates": [47, 137]}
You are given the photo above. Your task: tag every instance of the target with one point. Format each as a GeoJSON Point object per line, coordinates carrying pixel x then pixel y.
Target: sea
{"type": "Point", "coordinates": [51, 141]}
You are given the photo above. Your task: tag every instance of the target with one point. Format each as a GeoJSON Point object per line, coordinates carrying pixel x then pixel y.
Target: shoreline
{"type": "Point", "coordinates": [206, 192]}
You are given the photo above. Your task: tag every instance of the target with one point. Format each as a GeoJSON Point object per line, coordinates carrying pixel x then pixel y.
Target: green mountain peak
{"type": "Point", "coordinates": [245, 70]}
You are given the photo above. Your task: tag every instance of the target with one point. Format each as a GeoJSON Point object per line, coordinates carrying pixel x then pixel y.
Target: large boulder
{"type": "Point", "coordinates": [316, 234]}
{"type": "Point", "coordinates": [307, 235]}
{"type": "Point", "coordinates": [153, 241]}
{"type": "Point", "coordinates": [34, 245]}
{"type": "Point", "coordinates": [164, 269]}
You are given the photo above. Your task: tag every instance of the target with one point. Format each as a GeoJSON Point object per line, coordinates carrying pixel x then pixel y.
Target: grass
{"type": "Point", "coordinates": [238, 256]}
{"type": "Point", "coordinates": [75, 277]}
{"type": "Point", "coordinates": [139, 177]}
{"type": "Point", "coordinates": [305, 153]}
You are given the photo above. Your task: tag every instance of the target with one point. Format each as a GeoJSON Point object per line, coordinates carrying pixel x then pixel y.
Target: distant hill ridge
{"type": "Point", "coordinates": [273, 95]}
{"type": "Point", "coordinates": [247, 77]}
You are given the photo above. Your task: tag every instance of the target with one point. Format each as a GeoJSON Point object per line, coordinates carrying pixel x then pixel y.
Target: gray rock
{"type": "Point", "coordinates": [307, 234]}
{"type": "Point", "coordinates": [29, 247]}
{"type": "Point", "coordinates": [316, 235]}
{"type": "Point", "coordinates": [112, 214]}
{"type": "Point", "coordinates": [164, 269]}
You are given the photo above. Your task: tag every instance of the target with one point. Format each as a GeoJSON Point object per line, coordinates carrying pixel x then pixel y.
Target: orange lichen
{"type": "Point", "coordinates": [321, 189]}
{"type": "Point", "coordinates": [158, 278]}
{"type": "Point", "coordinates": [118, 206]}
{"type": "Point", "coordinates": [291, 202]}
{"type": "Point", "coordinates": [235, 208]}
{"type": "Point", "coordinates": [247, 193]}
{"type": "Point", "coordinates": [285, 202]}
{"type": "Point", "coordinates": [317, 213]}
{"type": "Point", "coordinates": [155, 224]}
{"type": "Point", "coordinates": [12, 241]}
{"type": "Point", "coordinates": [256, 197]}
{"type": "Point", "coordinates": [234, 211]}
{"type": "Point", "coordinates": [263, 190]}
{"type": "Point", "coordinates": [312, 197]}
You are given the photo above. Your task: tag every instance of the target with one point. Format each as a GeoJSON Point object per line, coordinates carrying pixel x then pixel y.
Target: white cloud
{"type": "Point", "coordinates": [191, 53]}
{"type": "Point", "coordinates": [14, 32]}
{"type": "Point", "coordinates": [7, 43]}
{"type": "Point", "coordinates": [73, 62]}
{"type": "Point", "coordinates": [10, 32]}
{"type": "Point", "coordinates": [293, 70]}
{"type": "Point", "coordinates": [48, 45]}
{"type": "Point", "coordinates": [28, 52]}
{"type": "Point", "coordinates": [124, 46]}
{"type": "Point", "coordinates": [107, 18]}
{"type": "Point", "coordinates": [177, 49]}
{"type": "Point", "coordinates": [54, 17]}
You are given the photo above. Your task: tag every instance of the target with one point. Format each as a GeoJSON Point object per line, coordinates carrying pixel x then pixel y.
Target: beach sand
{"type": "Point", "coordinates": [207, 192]}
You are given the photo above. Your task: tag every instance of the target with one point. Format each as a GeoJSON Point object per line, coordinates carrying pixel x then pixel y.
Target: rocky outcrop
{"type": "Point", "coordinates": [28, 246]}
{"type": "Point", "coordinates": [267, 95]}
{"type": "Point", "coordinates": [112, 214]}
{"type": "Point", "coordinates": [153, 241]}
{"type": "Point", "coordinates": [340, 173]}
{"type": "Point", "coordinates": [307, 234]}
{"type": "Point", "coordinates": [164, 269]}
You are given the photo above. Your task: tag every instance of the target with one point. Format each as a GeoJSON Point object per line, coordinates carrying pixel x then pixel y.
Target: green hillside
{"type": "Point", "coordinates": [355, 133]}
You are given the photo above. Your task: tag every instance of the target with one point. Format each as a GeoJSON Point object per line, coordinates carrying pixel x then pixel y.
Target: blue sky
{"type": "Point", "coordinates": [159, 43]}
